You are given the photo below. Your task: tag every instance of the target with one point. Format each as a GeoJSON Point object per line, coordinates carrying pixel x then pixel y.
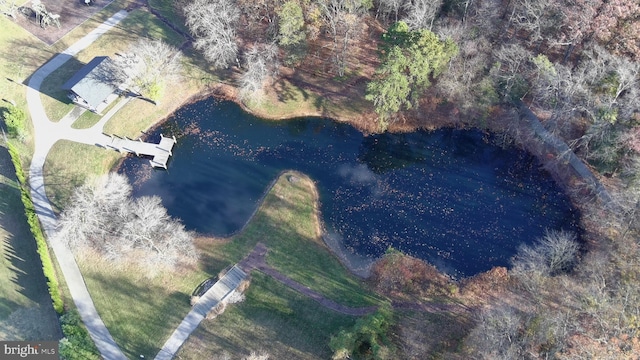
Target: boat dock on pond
{"type": "Point", "coordinates": [159, 152]}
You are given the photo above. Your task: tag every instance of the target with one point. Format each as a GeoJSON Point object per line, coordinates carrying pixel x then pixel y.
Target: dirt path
{"type": "Point", "coordinates": [256, 261]}
{"type": "Point", "coordinates": [565, 152]}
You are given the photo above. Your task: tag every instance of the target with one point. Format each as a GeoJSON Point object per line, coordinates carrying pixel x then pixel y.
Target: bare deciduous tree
{"type": "Point", "coordinates": [261, 63]}
{"type": "Point", "coordinates": [148, 66]}
{"type": "Point", "coordinates": [257, 356]}
{"type": "Point", "coordinates": [390, 9]}
{"type": "Point", "coordinates": [260, 12]}
{"type": "Point", "coordinates": [213, 23]}
{"type": "Point", "coordinates": [103, 217]}
{"type": "Point", "coordinates": [536, 17]}
{"type": "Point", "coordinates": [466, 80]}
{"type": "Point", "coordinates": [342, 19]}
{"type": "Point", "coordinates": [496, 335]}
{"type": "Point", "coordinates": [8, 7]}
{"type": "Point", "coordinates": [617, 24]}
{"type": "Point", "coordinates": [420, 14]}
{"type": "Point", "coordinates": [554, 253]}
{"type": "Point", "coordinates": [511, 70]}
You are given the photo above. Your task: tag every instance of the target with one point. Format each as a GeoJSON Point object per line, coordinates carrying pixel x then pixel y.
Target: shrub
{"type": "Point", "coordinates": [15, 119]}
{"type": "Point", "coordinates": [553, 254]}
{"type": "Point", "coordinates": [367, 339]}
{"type": "Point", "coordinates": [399, 274]}
{"type": "Point", "coordinates": [77, 343]}
{"type": "Point", "coordinates": [154, 91]}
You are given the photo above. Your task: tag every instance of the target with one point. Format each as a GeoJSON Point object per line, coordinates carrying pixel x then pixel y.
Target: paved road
{"type": "Point", "coordinates": [47, 133]}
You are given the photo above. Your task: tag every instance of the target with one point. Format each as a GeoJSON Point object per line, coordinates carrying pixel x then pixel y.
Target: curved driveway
{"type": "Point", "coordinates": [47, 133]}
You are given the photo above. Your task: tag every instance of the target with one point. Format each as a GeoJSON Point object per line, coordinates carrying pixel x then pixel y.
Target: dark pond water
{"type": "Point", "coordinates": [448, 196]}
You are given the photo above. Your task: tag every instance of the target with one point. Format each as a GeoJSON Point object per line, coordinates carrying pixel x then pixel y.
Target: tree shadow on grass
{"type": "Point", "coordinates": [287, 91]}
{"type": "Point", "coordinates": [273, 318]}
{"type": "Point", "coordinates": [52, 84]}
{"type": "Point", "coordinates": [208, 261]}
{"type": "Point", "coordinates": [18, 247]}
{"type": "Point", "coordinates": [140, 316]}
{"type": "Point", "coordinates": [22, 51]}
{"type": "Point", "coordinates": [60, 187]}
{"type": "Point", "coordinates": [424, 335]}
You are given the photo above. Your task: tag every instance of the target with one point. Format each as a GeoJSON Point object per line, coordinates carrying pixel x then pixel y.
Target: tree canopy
{"type": "Point", "coordinates": [291, 24]}
{"type": "Point", "coordinates": [409, 60]}
{"type": "Point", "coordinates": [213, 24]}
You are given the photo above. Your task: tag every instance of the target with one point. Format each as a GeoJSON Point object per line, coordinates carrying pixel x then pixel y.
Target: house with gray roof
{"type": "Point", "coordinates": [93, 87]}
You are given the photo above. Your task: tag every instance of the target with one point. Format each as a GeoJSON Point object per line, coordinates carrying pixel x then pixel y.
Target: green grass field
{"type": "Point", "coordinates": [168, 10]}
{"type": "Point", "coordinates": [139, 311]}
{"type": "Point", "coordinates": [70, 164]}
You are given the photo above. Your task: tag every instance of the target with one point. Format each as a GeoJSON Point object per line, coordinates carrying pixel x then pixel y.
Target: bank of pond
{"type": "Point", "coordinates": [451, 197]}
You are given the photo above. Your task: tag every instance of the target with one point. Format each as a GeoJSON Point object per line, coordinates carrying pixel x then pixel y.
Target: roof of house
{"type": "Point", "coordinates": [93, 82]}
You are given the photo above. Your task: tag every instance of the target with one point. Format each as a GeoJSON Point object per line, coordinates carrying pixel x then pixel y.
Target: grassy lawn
{"type": "Point", "coordinates": [18, 58]}
{"type": "Point", "coordinates": [274, 319]}
{"type": "Point", "coordinates": [54, 99]}
{"type": "Point", "coordinates": [89, 118]}
{"type": "Point", "coordinates": [168, 10]}
{"type": "Point", "coordinates": [288, 224]}
{"type": "Point", "coordinates": [140, 312]}
{"type": "Point", "coordinates": [25, 306]}
{"type": "Point", "coordinates": [285, 100]}
{"type": "Point", "coordinates": [69, 164]}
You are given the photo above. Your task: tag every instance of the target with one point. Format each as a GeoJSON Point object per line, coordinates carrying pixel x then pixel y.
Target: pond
{"type": "Point", "coordinates": [450, 197]}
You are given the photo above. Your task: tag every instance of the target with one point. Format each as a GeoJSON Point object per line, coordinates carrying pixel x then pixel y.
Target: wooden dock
{"type": "Point", "coordinates": [159, 152]}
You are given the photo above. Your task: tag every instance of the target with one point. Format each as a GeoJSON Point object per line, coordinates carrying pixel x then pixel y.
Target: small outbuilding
{"type": "Point", "coordinates": [93, 87]}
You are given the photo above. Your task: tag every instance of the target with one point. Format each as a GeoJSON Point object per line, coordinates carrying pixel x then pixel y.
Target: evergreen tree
{"type": "Point", "coordinates": [409, 60]}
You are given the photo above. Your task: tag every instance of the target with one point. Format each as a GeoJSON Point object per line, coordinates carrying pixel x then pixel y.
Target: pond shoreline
{"type": "Point", "coordinates": [358, 265]}
{"type": "Point", "coordinates": [354, 263]}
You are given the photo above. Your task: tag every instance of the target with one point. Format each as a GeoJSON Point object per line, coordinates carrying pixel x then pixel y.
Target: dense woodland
{"type": "Point", "coordinates": [574, 63]}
